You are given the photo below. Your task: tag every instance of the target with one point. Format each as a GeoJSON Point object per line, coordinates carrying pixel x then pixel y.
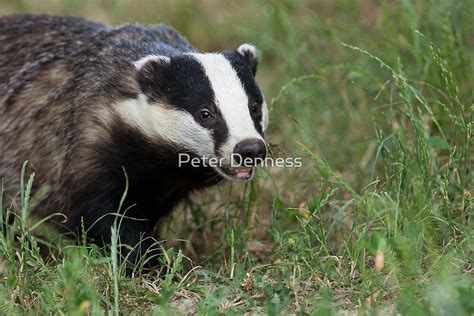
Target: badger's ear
{"type": "Point", "coordinates": [151, 74]}
{"type": "Point", "coordinates": [249, 52]}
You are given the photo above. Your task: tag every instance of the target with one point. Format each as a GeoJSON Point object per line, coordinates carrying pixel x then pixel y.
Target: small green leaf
{"type": "Point", "coordinates": [437, 142]}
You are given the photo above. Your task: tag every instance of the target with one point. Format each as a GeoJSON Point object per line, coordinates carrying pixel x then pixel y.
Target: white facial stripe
{"type": "Point", "coordinates": [177, 127]}
{"type": "Point", "coordinates": [231, 99]}
{"type": "Point", "coordinates": [264, 116]}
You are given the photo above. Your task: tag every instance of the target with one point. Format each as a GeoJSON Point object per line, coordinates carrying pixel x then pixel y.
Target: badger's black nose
{"type": "Point", "coordinates": [248, 150]}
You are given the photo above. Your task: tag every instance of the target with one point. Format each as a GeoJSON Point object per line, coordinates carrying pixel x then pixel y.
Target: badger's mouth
{"type": "Point", "coordinates": [238, 173]}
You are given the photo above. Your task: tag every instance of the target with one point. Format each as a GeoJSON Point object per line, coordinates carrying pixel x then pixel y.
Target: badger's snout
{"type": "Point", "coordinates": [250, 151]}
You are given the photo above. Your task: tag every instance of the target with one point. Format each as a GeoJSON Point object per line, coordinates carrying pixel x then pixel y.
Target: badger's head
{"type": "Point", "coordinates": [206, 104]}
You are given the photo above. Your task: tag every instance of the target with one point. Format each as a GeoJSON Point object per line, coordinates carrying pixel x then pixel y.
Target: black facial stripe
{"type": "Point", "coordinates": [220, 132]}
{"type": "Point", "coordinates": [251, 88]}
{"type": "Point", "coordinates": [182, 84]}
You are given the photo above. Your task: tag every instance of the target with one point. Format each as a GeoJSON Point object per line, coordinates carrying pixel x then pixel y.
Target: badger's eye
{"type": "Point", "coordinates": [255, 107]}
{"type": "Point", "coordinates": [205, 114]}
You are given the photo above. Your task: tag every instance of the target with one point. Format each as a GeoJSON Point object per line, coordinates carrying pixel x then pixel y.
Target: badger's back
{"type": "Point", "coordinates": [58, 76]}
{"type": "Point", "coordinates": [40, 39]}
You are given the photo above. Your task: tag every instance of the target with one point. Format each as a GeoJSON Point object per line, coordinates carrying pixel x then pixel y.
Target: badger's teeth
{"type": "Point", "coordinates": [240, 173]}
{"type": "Point", "coordinates": [243, 173]}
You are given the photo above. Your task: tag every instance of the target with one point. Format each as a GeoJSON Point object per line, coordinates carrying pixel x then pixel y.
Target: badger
{"type": "Point", "coordinates": [102, 114]}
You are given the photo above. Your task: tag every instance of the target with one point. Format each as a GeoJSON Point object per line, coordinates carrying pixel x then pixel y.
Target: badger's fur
{"type": "Point", "coordinates": [89, 105]}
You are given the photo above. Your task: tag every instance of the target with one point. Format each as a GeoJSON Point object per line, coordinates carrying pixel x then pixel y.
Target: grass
{"type": "Point", "coordinates": [376, 98]}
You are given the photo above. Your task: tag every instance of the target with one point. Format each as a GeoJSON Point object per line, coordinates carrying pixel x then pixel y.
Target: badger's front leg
{"type": "Point", "coordinates": [97, 213]}
{"type": "Point", "coordinates": [136, 246]}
